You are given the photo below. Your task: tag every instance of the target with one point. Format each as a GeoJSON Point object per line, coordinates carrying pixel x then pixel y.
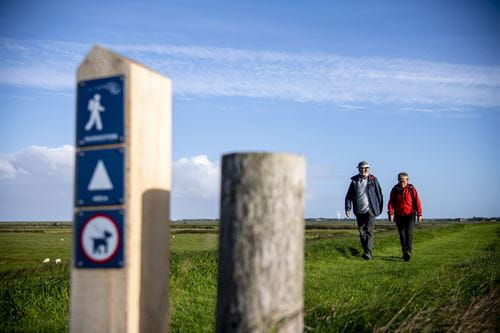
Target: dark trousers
{"type": "Point", "coordinates": [405, 227]}
{"type": "Point", "coordinates": [366, 224]}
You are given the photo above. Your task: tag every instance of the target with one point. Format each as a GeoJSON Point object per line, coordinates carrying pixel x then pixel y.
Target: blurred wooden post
{"type": "Point", "coordinates": [134, 297]}
{"type": "Point", "coordinates": [261, 246]}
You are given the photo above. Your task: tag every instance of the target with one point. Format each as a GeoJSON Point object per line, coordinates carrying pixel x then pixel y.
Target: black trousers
{"type": "Point", "coordinates": [366, 225]}
{"type": "Point", "coordinates": [405, 224]}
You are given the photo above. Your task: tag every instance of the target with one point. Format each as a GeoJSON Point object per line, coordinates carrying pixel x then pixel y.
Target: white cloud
{"type": "Point", "coordinates": [7, 170]}
{"type": "Point", "coordinates": [195, 188]}
{"type": "Point", "coordinates": [195, 177]}
{"type": "Point", "coordinates": [36, 183]}
{"type": "Point", "coordinates": [211, 71]}
{"type": "Point", "coordinates": [38, 160]}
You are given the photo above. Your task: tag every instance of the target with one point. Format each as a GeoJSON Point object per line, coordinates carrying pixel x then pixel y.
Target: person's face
{"type": "Point", "coordinates": [364, 171]}
{"type": "Point", "coordinates": [403, 180]}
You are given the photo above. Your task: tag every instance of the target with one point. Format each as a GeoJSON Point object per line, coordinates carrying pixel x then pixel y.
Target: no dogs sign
{"type": "Point", "coordinates": [99, 241]}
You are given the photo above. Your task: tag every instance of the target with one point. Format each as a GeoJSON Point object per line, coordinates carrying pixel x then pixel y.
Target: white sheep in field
{"type": "Point", "coordinates": [46, 260]}
{"type": "Point", "coordinates": [58, 261]}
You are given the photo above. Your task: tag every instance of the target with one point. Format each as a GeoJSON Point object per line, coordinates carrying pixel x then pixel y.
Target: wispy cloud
{"type": "Point", "coordinates": [43, 64]}
{"type": "Point", "coordinates": [324, 78]}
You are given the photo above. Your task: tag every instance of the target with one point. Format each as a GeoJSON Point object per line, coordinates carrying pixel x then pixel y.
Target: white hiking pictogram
{"type": "Point", "coordinates": [95, 108]}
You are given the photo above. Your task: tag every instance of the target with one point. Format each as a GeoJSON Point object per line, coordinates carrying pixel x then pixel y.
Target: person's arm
{"type": "Point", "coordinates": [380, 196]}
{"type": "Point", "coordinates": [390, 207]}
{"type": "Point", "coordinates": [378, 201]}
{"type": "Point", "coordinates": [348, 199]}
{"type": "Point", "coordinates": [418, 205]}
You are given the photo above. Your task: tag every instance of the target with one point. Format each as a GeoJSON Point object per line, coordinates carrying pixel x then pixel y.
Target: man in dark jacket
{"type": "Point", "coordinates": [365, 197]}
{"type": "Point", "coordinates": [404, 204]}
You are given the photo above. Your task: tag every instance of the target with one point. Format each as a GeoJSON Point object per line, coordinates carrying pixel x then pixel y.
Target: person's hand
{"type": "Point", "coordinates": [419, 219]}
{"type": "Point", "coordinates": [391, 217]}
{"type": "Point", "coordinates": [347, 213]}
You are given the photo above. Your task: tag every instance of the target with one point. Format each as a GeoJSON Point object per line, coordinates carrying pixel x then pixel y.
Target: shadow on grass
{"type": "Point", "coordinates": [348, 251]}
{"type": "Point", "coordinates": [390, 258]}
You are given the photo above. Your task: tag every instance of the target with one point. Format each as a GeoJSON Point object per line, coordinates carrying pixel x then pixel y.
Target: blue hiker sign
{"type": "Point", "coordinates": [100, 110]}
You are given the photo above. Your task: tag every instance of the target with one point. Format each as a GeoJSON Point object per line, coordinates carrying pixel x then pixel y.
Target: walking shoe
{"type": "Point", "coordinates": [366, 256]}
{"type": "Point", "coordinates": [406, 256]}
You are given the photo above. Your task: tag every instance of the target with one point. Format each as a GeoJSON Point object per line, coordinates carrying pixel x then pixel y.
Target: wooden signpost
{"type": "Point", "coordinates": [261, 244]}
{"type": "Point", "coordinates": [119, 279]}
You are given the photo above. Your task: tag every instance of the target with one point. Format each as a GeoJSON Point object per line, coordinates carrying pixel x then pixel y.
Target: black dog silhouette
{"type": "Point", "coordinates": [101, 241]}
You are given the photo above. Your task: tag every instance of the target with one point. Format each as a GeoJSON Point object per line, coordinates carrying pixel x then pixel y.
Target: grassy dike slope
{"type": "Point", "coordinates": [451, 283]}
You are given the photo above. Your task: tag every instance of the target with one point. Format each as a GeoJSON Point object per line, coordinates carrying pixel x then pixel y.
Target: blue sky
{"type": "Point", "coordinates": [407, 85]}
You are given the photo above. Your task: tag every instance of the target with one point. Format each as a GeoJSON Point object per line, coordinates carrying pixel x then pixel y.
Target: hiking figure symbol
{"type": "Point", "coordinates": [95, 108]}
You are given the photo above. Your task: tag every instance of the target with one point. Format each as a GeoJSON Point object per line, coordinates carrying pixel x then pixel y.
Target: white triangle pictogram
{"type": "Point", "coordinates": [100, 178]}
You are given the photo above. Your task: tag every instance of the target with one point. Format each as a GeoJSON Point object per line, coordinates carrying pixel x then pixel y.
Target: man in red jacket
{"type": "Point", "coordinates": [404, 204]}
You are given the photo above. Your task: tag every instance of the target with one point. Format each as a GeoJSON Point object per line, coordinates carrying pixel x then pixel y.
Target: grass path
{"type": "Point", "coordinates": [344, 292]}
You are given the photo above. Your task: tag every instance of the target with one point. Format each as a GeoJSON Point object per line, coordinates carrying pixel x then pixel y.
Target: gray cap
{"type": "Point", "coordinates": [363, 164]}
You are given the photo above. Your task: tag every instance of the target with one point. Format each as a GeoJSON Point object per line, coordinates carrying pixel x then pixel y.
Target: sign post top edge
{"type": "Point", "coordinates": [101, 61]}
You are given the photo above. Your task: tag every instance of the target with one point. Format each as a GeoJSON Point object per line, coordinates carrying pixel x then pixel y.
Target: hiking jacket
{"type": "Point", "coordinates": [373, 192]}
{"type": "Point", "coordinates": [404, 201]}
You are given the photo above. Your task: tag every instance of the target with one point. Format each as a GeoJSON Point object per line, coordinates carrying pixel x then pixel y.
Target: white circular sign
{"type": "Point", "coordinates": [100, 238]}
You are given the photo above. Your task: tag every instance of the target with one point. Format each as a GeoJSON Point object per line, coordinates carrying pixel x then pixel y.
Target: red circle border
{"type": "Point", "coordinates": [110, 258]}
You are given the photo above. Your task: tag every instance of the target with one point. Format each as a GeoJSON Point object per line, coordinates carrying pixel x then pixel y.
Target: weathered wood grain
{"type": "Point", "coordinates": [261, 247]}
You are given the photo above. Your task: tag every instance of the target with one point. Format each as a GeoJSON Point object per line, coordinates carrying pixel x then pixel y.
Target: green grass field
{"type": "Point", "coordinates": [451, 283]}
